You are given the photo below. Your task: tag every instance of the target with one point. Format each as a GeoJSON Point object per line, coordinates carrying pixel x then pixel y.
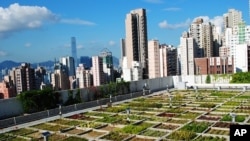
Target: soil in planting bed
{"type": "Point", "coordinates": [75, 131]}
{"type": "Point", "coordinates": [93, 134]}
{"type": "Point", "coordinates": [167, 126]}
{"type": "Point", "coordinates": [167, 115]}
{"type": "Point", "coordinates": [210, 138]}
{"type": "Point", "coordinates": [218, 132]}
{"type": "Point", "coordinates": [35, 135]}
{"type": "Point", "coordinates": [177, 121]}
{"type": "Point", "coordinates": [115, 136]}
{"type": "Point", "coordinates": [141, 139]}
{"type": "Point", "coordinates": [224, 124]}
{"type": "Point", "coordinates": [214, 118]}
{"type": "Point", "coordinates": [109, 128]}
{"type": "Point", "coordinates": [55, 137]}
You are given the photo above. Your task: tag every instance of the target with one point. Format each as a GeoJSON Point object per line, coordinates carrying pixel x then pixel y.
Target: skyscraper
{"type": "Point", "coordinates": [69, 63]}
{"type": "Point", "coordinates": [136, 42]}
{"type": "Point", "coordinates": [73, 50]}
{"type": "Point", "coordinates": [187, 45]}
{"type": "Point", "coordinates": [97, 70]}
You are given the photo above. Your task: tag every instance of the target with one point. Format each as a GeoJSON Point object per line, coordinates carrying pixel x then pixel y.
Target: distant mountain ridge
{"type": "Point", "coordinates": [8, 64]}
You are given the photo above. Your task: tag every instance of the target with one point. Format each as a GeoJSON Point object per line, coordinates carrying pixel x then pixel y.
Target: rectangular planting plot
{"type": "Point", "coordinates": [153, 133]}
{"type": "Point", "coordinates": [218, 132]}
{"type": "Point", "coordinates": [195, 126]}
{"type": "Point", "coordinates": [182, 135]}
{"type": "Point", "coordinates": [93, 134]}
{"type": "Point", "coordinates": [167, 126]}
{"type": "Point", "coordinates": [115, 136]}
{"type": "Point", "coordinates": [210, 138]}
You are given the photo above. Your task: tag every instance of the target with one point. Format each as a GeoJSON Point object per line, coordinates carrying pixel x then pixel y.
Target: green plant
{"type": "Point", "coordinates": [182, 135]}
{"type": "Point", "coordinates": [208, 79]}
{"type": "Point", "coordinates": [115, 136]}
{"type": "Point", "coordinates": [207, 105]}
{"type": "Point", "coordinates": [38, 100]}
{"type": "Point", "coordinates": [198, 127]}
{"type": "Point", "coordinates": [135, 129]}
{"type": "Point", "coordinates": [210, 138]}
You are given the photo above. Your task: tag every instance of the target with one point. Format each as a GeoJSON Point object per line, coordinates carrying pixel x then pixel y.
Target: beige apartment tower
{"type": "Point", "coordinates": [136, 42]}
{"type": "Point", "coordinates": [154, 61]}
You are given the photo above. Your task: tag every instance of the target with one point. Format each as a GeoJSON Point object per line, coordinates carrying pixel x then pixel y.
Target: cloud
{"type": "Point", "coordinates": [27, 44]}
{"type": "Point", "coordinates": [18, 18]}
{"type": "Point", "coordinates": [112, 43]}
{"type": "Point", "coordinates": [154, 1]}
{"type": "Point", "coordinates": [3, 53]}
{"type": "Point", "coordinates": [79, 47]}
{"type": "Point", "coordinates": [166, 25]}
{"type": "Point", "coordinates": [217, 21]}
{"type": "Point", "coordinates": [172, 9]}
{"type": "Point", "coordinates": [77, 22]}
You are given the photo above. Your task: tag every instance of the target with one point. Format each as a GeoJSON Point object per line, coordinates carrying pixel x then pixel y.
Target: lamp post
{"type": "Point", "coordinates": [110, 98]}
{"type": "Point", "coordinates": [60, 110]}
{"type": "Point", "coordinates": [170, 101]}
{"type": "Point", "coordinates": [128, 112]}
{"type": "Point", "coordinates": [233, 115]}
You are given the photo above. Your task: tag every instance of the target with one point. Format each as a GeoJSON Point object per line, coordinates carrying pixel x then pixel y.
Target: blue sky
{"type": "Point", "coordinates": [40, 30]}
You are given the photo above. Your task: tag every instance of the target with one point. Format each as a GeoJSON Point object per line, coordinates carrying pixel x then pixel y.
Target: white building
{"type": "Point", "coordinates": [241, 58]}
{"type": "Point", "coordinates": [83, 76]}
{"type": "Point", "coordinates": [187, 45]}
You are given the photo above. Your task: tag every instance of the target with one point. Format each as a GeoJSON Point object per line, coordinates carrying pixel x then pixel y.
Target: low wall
{"type": "Point", "coordinates": [15, 107]}
{"type": "Point", "coordinates": [9, 122]}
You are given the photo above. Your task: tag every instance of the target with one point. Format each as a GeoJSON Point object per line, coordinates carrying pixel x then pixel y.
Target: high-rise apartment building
{"type": "Point", "coordinates": [69, 63]}
{"type": "Point", "coordinates": [60, 78]}
{"type": "Point", "coordinates": [168, 60]}
{"type": "Point", "coordinates": [232, 18]}
{"type": "Point", "coordinates": [97, 71]}
{"type": "Point", "coordinates": [40, 73]}
{"type": "Point", "coordinates": [203, 36]}
{"type": "Point", "coordinates": [108, 68]}
{"type": "Point", "coordinates": [23, 78]}
{"type": "Point", "coordinates": [154, 61]}
{"type": "Point", "coordinates": [83, 76]}
{"type": "Point", "coordinates": [73, 50]}
{"type": "Point", "coordinates": [188, 46]}
{"type": "Point", "coordinates": [136, 42]}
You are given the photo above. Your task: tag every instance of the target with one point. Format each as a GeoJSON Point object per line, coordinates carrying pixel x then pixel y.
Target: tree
{"type": "Point", "coordinates": [208, 79]}
{"type": "Point", "coordinates": [38, 100]}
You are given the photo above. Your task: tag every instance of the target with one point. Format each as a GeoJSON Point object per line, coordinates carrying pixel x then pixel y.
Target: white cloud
{"type": "Point", "coordinates": [17, 18]}
{"type": "Point", "coordinates": [27, 44]}
{"type": "Point", "coordinates": [217, 21]}
{"type": "Point", "coordinates": [2, 53]}
{"type": "Point", "coordinates": [79, 47]}
{"type": "Point", "coordinates": [172, 9]}
{"type": "Point", "coordinates": [166, 25]}
{"type": "Point", "coordinates": [112, 43]}
{"type": "Point", "coordinates": [154, 1]}
{"type": "Point", "coordinates": [77, 22]}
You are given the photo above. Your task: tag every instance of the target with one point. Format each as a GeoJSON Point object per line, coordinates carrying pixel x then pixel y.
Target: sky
{"type": "Point", "coordinates": [40, 30]}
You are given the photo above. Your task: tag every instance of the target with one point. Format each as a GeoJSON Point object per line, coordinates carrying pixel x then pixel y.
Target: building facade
{"type": "Point", "coordinates": [136, 42]}
{"type": "Point", "coordinates": [154, 61]}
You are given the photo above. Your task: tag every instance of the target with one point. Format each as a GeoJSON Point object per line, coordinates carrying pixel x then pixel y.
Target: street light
{"type": "Point", "coordinates": [60, 110]}
{"type": "Point", "coordinates": [170, 100]}
{"type": "Point", "coordinates": [110, 98]}
{"type": "Point", "coordinates": [233, 115]}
